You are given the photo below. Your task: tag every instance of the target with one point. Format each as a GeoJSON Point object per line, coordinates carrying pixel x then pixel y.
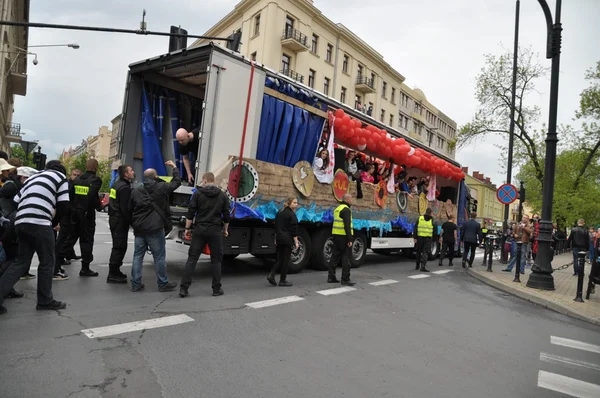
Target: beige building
{"type": "Point", "coordinates": [96, 146]}
{"type": "Point", "coordinates": [13, 68]}
{"type": "Point", "coordinates": [483, 191]}
{"type": "Point", "coordinates": [114, 140]}
{"type": "Point", "coordinates": [296, 39]}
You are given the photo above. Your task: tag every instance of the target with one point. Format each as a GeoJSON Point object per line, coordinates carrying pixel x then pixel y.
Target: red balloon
{"type": "Point", "coordinates": [371, 145]}
{"type": "Point", "coordinates": [354, 141]}
{"type": "Point", "coordinates": [349, 132]}
{"type": "Point", "coordinates": [337, 123]}
{"type": "Point", "coordinates": [362, 141]}
{"type": "Point", "coordinates": [339, 113]}
{"type": "Point", "coordinates": [357, 123]}
{"type": "Point", "coordinates": [346, 119]}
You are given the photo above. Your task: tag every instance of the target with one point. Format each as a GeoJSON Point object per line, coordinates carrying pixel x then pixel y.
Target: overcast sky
{"type": "Point", "coordinates": [438, 45]}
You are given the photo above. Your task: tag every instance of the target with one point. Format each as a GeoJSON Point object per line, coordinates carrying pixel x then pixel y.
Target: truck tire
{"type": "Point", "coordinates": [321, 250]}
{"type": "Point", "coordinates": [359, 249]}
{"type": "Point", "coordinates": [301, 256]}
{"type": "Point", "coordinates": [435, 251]}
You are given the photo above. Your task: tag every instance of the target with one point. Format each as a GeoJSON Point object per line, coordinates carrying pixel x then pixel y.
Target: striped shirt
{"type": "Point", "coordinates": [38, 198]}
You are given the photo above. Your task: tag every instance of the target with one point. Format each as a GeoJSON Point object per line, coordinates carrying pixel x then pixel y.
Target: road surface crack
{"type": "Point", "coordinates": [72, 319]}
{"type": "Point", "coordinates": [159, 304]}
{"type": "Point", "coordinates": [27, 358]}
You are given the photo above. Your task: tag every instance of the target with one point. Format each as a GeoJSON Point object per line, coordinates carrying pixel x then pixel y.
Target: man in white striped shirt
{"type": "Point", "coordinates": [41, 203]}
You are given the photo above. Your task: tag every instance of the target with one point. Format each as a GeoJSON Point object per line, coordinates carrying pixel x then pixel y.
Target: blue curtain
{"type": "Point", "coordinates": [150, 141]}
{"type": "Point", "coordinates": [288, 134]}
{"type": "Point", "coordinates": [113, 177]}
{"type": "Point", "coordinates": [462, 203]}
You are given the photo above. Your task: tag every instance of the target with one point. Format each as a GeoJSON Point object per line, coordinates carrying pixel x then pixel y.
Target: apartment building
{"type": "Point", "coordinates": [114, 139]}
{"type": "Point", "coordinates": [96, 146]}
{"type": "Point", "coordinates": [296, 39]}
{"type": "Point", "coordinates": [482, 189]}
{"type": "Point", "coordinates": [13, 69]}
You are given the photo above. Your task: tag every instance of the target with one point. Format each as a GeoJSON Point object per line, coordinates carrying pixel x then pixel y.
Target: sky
{"type": "Point", "coordinates": [438, 45]}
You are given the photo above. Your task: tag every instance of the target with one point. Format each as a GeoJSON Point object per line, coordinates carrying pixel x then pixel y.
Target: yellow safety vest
{"type": "Point", "coordinates": [113, 193]}
{"type": "Point", "coordinates": [425, 228]}
{"type": "Point", "coordinates": [338, 222]}
{"type": "Point", "coordinates": [81, 190]}
{"type": "Point", "coordinates": [484, 231]}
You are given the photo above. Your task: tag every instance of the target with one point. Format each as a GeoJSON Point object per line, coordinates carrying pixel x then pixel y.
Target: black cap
{"type": "Point", "coordinates": [57, 166]}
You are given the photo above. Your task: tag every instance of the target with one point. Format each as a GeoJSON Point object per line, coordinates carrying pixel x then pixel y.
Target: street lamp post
{"type": "Point", "coordinates": [74, 46]}
{"type": "Point", "coordinates": [541, 276]}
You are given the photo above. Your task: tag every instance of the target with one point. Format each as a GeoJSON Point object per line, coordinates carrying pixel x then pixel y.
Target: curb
{"type": "Point", "coordinates": [544, 303]}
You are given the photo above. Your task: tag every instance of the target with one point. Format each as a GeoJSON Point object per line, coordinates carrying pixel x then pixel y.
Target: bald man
{"type": "Point", "coordinates": [188, 142]}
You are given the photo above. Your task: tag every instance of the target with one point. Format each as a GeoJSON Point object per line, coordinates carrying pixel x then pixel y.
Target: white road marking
{"type": "Point", "coordinates": [277, 301]}
{"type": "Point", "coordinates": [337, 290]}
{"type": "Point", "coordinates": [419, 276]}
{"type": "Point", "coordinates": [578, 345]}
{"type": "Point", "coordinates": [442, 272]}
{"type": "Point", "coordinates": [383, 282]}
{"type": "Point", "coordinates": [567, 385]}
{"type": "Point", "coordinates": [134, 326]}
{"type": "Point", "coordinates": [558, 360]}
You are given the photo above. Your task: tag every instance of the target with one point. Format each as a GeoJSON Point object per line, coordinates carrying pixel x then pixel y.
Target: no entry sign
{"type": "Point", "coordinates": [507, 193]}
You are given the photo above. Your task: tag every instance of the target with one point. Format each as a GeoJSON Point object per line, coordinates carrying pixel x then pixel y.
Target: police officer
{"type": "Point", "coordinates": [85, 201]}
{"type": "Point", "coordinates": [342, 232]}
{"type": "Point", "coordinates": [425, 234]}
{"type": "Point", "coordinates": [119, 220]}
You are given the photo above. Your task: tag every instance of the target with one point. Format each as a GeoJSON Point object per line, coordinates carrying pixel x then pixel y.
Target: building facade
{"type": "Point", "coordinates": [96, 146]}
{"type": "Point", "coordinates": [489, 209]}
{"type": "Point", "coordinates": [296, 39]}
{"type": "Point", "coordinates": [115, 138]}
{"type": "Point", "coordinates": [13, 69]}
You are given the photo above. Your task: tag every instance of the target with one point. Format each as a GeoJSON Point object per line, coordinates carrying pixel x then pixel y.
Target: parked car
{"type": "Point", "coordinates": [104, 199]}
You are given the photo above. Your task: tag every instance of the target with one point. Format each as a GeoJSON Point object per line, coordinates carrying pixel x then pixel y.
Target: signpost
{"type": "Point", "coordinates": [507, 194]}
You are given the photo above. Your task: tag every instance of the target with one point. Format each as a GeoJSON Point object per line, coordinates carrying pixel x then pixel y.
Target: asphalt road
{"type": "Point", "coordinates": [445, 335]}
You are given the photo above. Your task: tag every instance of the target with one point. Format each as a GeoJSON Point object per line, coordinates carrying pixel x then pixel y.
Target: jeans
{"type": "Point", "coordinates": [156, 242]}
{"type": "Point", "coordinates": [340, 252]}
{"type": "Point", "coordinates": [592, 251]}
{"type": "Point", "coordinates": [513, 260]}
{"type": "Point", "coordinates": [576, 250]}
{"type": "Point", "coordinates": [215, 244]}
{"type": "Point", "coordinates": [469, 249]}
{"type": "Point", "coordinates": [38, 239]}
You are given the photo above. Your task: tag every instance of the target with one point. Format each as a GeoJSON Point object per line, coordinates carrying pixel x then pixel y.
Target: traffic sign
{"type": "Point", "coordinates": [507, 193]}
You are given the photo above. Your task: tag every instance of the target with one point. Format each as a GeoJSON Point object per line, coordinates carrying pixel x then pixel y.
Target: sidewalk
{"type": "Point", "coordinates": [559, 300]}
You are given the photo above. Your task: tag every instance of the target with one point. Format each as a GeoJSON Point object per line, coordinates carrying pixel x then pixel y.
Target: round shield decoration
{"type": "Point", "coordinates": [402, 201]}
{"type": "Point", "coordinates": [381, 194]}
{"type": "Point", "coordinates": [248, 182]}
{"type": "Point", "coordinates": [340, 184]}
{"type": "Point", "coordinates": [303, 178]}
{"type": "Point", "coordinates": [423, 203]}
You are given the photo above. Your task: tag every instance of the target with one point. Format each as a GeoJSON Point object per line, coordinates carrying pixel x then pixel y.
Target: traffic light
{"type": "Point", "coordinates": [36, 159]}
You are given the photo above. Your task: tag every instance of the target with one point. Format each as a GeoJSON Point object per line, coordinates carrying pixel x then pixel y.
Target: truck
{"type": "Point", "coordinates": [260, 130]}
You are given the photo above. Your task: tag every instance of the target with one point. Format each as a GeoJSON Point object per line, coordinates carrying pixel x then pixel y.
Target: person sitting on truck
{"type": "Point", "coordinates": [188, 142]}
{"type": "Point", "coordinates": [367, 176]}
{"type": "Point", "coordinates": [320, 165]}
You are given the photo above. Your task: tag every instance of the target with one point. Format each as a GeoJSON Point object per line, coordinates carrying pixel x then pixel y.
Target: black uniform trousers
{"type": "Point", "coordinates": [340, 252]}
{"type": "Point", "coordinates": [282, 263]}
{"type": "Point", "coordinates": [423, 250]}
{"type": "Point", "coordinates": [83, 227]}
{"type": "Point", "coordinates": [215, 244]}
{"type": "Point", "coordinates": [447, 248]}
{"type": "Point", "coordinates": [469, 247]}
{"type": "Point", "coordinates": [119, 230]}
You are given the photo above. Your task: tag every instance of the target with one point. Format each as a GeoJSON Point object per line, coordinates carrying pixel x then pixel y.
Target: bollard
{"type": "Point", "coordinates": [518, 263]}
{"type": "Point", "coordinates": [580, 275]}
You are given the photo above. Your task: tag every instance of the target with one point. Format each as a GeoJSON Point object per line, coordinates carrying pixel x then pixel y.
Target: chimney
{"type": "Point", "coordinates": [488, 180]}
{"type": "Point", "coordinates": [465, 170]}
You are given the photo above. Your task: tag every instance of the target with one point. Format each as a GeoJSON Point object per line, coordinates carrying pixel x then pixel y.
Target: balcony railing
{"type": "Point", "coordinates": [14, 129]}
{"type": "Point", "coordinates": [365, 81]}
{"type": "Point", "coordinates": [292, 75]}
{"type": "Point", "coordinates": [294, 39]}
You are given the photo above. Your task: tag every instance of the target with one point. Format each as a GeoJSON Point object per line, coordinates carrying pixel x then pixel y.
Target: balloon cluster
{"type": "Point", "coordinates": [352, 133]}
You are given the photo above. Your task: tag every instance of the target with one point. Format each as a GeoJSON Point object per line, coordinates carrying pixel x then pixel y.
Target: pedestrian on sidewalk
{"type": "Point", "coordinates": [286, 238]}
{"type": "Point", "coordinates": [341, 251]}
{"type": "Point", "coordinates": [209, 213]}
{"type": "Point", "coordinates": [470, 233]}
{"type": "Point", "coordinates": [578, 239]}
{"type": "Point", "coordinates": [41, 203]}
{"type": "Point", "coordinates": [448, 240]}
{"type": "Point", "coordinates": [426, 234]}
{"type": "Point", "coordinates": [522, 234]}
{"type": "Point", "coordinates": [151, 221]}
{"type": "Point", "coordinates": [592, 240]}
{"type": "Point", "coordinates": [119, 220]}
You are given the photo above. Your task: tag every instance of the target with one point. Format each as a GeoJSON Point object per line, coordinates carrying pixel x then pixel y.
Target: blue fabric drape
{"type": "Point", "coordinates": [462, 203]}
{"type": "Point", "coordinates": [150, 141]}
{"type": "Point", "coordinates": [113, 177]}
{"type": "Point", "coordinates": [288, 134]}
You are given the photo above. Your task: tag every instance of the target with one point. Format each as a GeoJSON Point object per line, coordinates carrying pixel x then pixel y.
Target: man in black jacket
{"type": "Point", "coordinates": [343, 236]}
{"type": "Point", "coordinates": [470, 235]}
{"type": "Point", "coordinates": [209, 212]}
{"type": "Point", "coordinates": [151, 219]}
{"type": "Point", "coordinates": [119, 219]}
{"type": "Point", "coordinates": [85, 201]}
{"type": "Point", "coordinates": [579, 240]}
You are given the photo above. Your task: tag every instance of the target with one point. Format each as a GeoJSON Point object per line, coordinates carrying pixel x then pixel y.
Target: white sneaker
{"type": "Point", "coordinates": [60, 276]}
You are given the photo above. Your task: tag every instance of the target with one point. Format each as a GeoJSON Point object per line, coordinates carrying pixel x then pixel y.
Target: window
{"type": "Point", "coordinates": [328, 56]}
{"type": "Point", "coordinates": [417, 108]}
{"type": "Point", "coordinates": [382, 118]}
{"type": "Point", "coordinates": [311, 78]}
{"type": "Point", "coordinates": [384, 90]}
{"type": "Point", "coordinates": [372, 79]}
{"type": "Point", "coordinates": [315, 44]}
{"type": "Point", "coordinates": [345, 64]}
{"type": "Point", "coordinates": [402, 121]}
{"type": "Point", "coordinates": [257, 24]}
{"type": "Point", "coordinates": [450, 150]}
{"type": "Point", "coordinates": [285, 62]}
{"type": "Point", "coordinates": [404, 100]}
{"type": "Point", "coordinates": [393, 95]}
{"type": "Point", "coordinates": [343, 95]}
{"type": "Point", "coordinates": [289, 25]}
{"type": "Point", "coordinates": [326, 86]}
{"type": "Point", "coordinates": [418, 127]}
{"type": "Point", "coordinates": [429, 137]}
{"type": "Point", "coordinates": [360, 70]}
{"type": "Point", "coordinates": [440, 142]}
{"type": "Point", "coordinates": [253, 56]}
{"type": "Point", "coordinates": [391, 120]}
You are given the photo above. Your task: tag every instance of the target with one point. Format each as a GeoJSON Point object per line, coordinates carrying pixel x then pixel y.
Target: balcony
{"type": "Point", "coordinates": [365, 85]}
{"type": "Point", "coordinates": [292, 75]}
{"type": "Point", "coordinates": [13, 132]}
{"type": "Point", "coordinates": [294, 40]}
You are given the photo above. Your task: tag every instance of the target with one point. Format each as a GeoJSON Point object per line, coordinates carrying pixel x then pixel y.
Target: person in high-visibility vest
{"type": "Point", "coordinates": [484, 232]}
{"type": "Point", "coordinates": [342, 231]}
{"type": "Point", "coordinates": [424, 232]}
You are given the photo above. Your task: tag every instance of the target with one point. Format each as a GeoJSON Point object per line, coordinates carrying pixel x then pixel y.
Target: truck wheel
{"type": "Point", "coordinates": [322, 242]}
{"type": "Point", "coordinates": [359, 249]}
{"type": "Point", "coordinates": [301, 255]}
{"type": "Point", "coordinates": [435, 251]}
{"type": "Point", "coordinates": [229, 257]}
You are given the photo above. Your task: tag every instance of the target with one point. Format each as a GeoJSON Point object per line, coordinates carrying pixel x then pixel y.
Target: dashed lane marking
{"type": "Point", "coordinates": [419, 276]}
{"type": "Point", "coordinates": [337, 290]}
{"type": "Point", "coordinates": [135, 326]}
{"type": "Point", "coordinates": [277, 301]}
{"type": "Point", "coordinates": [573, 363]}
{"type": "Point", "coordinates": [442, 272]}
{"type": "Point", "coordinates": [567, 385]}
{"type": "Point", "coordinates": [578, 345]}
{"type": "Point", "coordinates": [383, 282]}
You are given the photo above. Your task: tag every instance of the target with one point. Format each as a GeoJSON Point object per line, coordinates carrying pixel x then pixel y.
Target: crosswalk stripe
{"type": "Point", "coordinates": [442, 272]}
{"type": "Point", "coordinates": [383, 282]}
{"type": "Point", "coordinates": [337, 290]}
{"type": "Point", "coordinates": [558, 360]}
{"type": "Point", "coordinates": [154, 323]}
{"type": "Point", "coordinates": [419, 276]}
{"type": "Point", "coordinates": [277, 301]}
{"type": "Point", "coordinates": [567, 385]}
{"type": "Point", "coordinates": [578, 345]}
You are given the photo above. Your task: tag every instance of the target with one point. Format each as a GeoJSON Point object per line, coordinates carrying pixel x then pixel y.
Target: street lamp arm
{"type": "Point", "coordinates": [553, 29]}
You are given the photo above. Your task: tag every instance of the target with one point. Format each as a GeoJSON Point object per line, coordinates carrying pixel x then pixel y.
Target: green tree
{"type": "Point", "coordinates": [18, 152]}
{"type": "Point", "coordinates": [78, 162]}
